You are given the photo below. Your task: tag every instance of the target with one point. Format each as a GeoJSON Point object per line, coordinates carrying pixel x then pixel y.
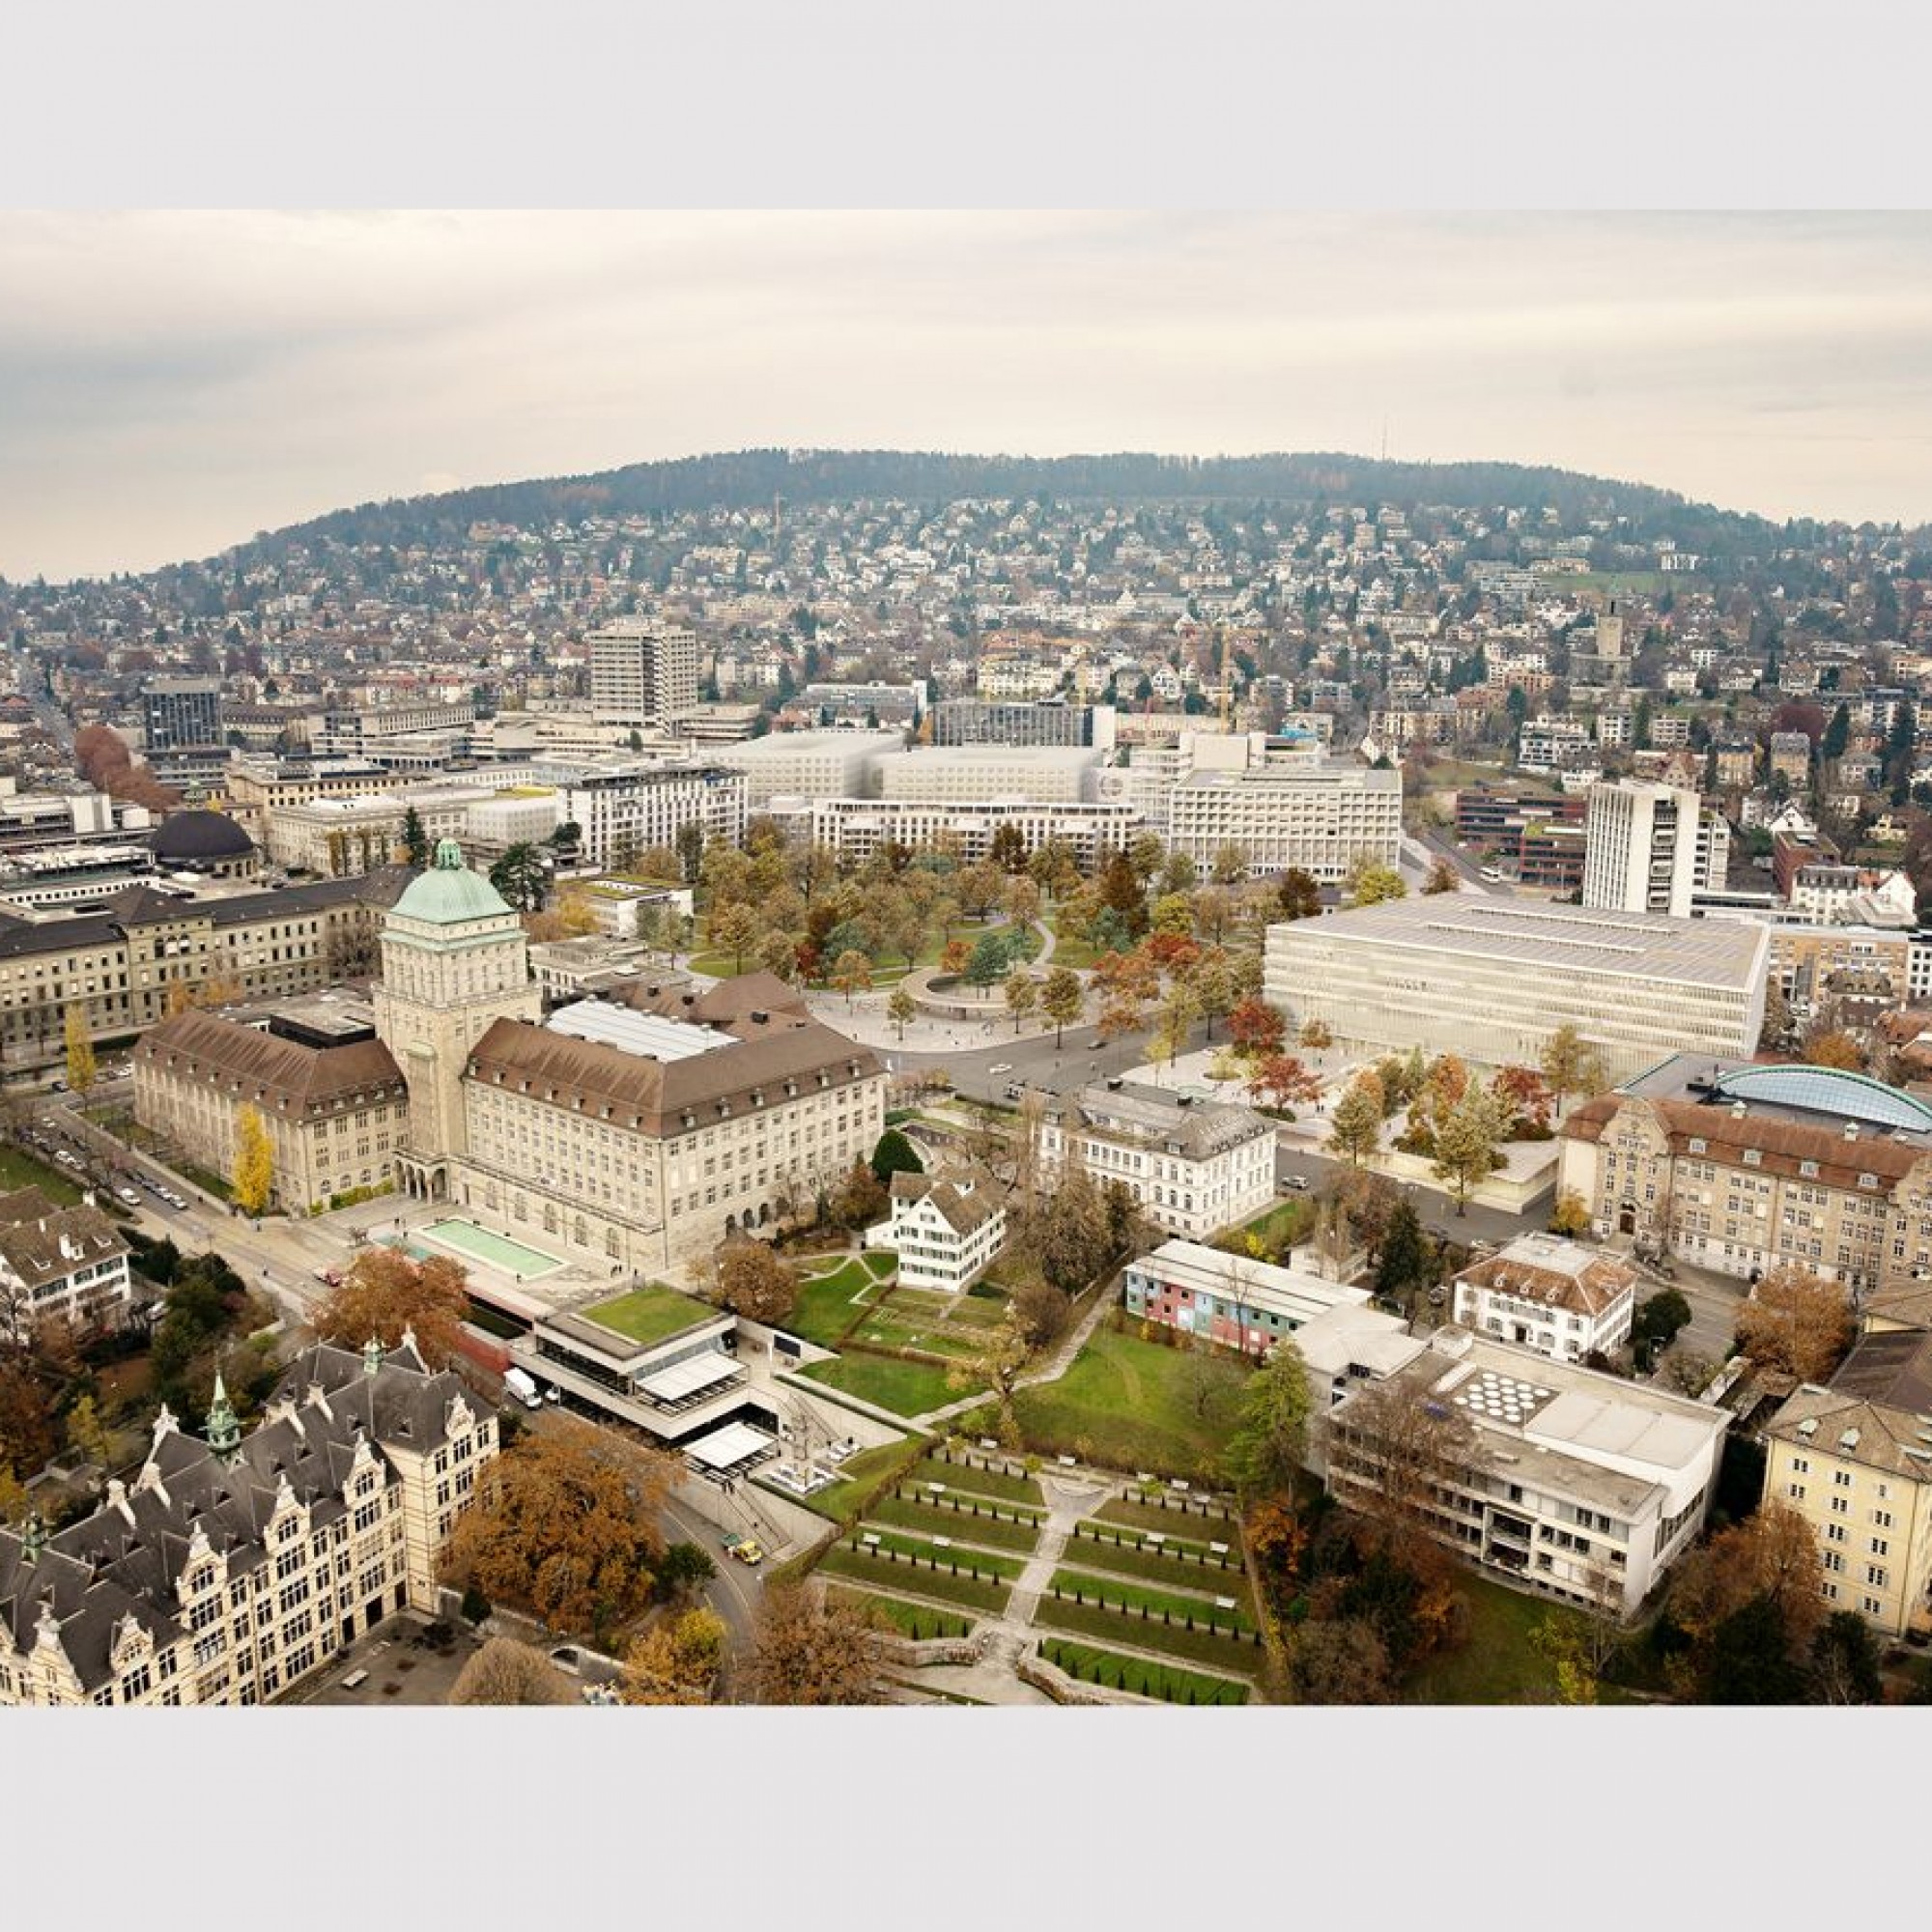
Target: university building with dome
{"type": "Point", "coordinates": [634, 1135]}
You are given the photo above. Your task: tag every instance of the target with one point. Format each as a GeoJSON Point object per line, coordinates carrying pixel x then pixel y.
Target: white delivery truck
{"type": "Point", "coordinates": [520, 1385]}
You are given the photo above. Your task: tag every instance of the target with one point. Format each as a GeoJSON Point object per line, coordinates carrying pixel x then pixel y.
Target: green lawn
{"type": "Point", "coordinates": [1069, 951]}
{"type": "Point", "coordinates": [1497, 1664]}
{"type": "Point", "coordinates": [983, 1562]}
{"type": "Point", "coordinates": [1003, 1484]}
{"type": "Point", "coordinates": [207, 1182]}
{"type": "Point", "coordinates": [1156, 1566]}
{"type": "Point", "coordinates": [880, 1262]}
{"type": "Point", "coordinates": [875, 1572]}
{"type": "Point", "coordinates": [904, 1513]}
{"type": "Point", "coordinates": [1134, 1405]}
{"type": "Point", "coordinates": [19, 1169]}
{"type": "Point", "coordinates": [1216, 1648]}
{"type": "Point", "coordinates": [825, 1308]}
{"type": "Point", "coordinates": [1120, 1593]}
{"type": "Point", "coordinates": [913, 1620]}
{"type": "Point", "coordinates": [1282, 1226]}
{"type": "Point", "coordinates": [646, 1315]}
{"type": "Point", "coordinates": [1191, 1535]}
{"type": "Point", "coordinates": [905, 1317]}
{"type": "Point", "coordinates": [906, 1388]}
{"type": "Point", "coordinates": [1139, 1675]}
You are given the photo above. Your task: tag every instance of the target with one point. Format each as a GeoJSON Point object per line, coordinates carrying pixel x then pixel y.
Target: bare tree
{"type": "Point", "coordinates": [507, 1672]}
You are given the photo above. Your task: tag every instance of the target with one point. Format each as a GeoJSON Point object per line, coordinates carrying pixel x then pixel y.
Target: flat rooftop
{"type": "Point", "coordinates": [1588, 940]}
{"type": "Point", "coordinates": [647, 1036]}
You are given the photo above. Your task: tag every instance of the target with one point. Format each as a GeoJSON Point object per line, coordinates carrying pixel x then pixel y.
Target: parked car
{"type": "Point", "coordinates": [1292, 1183]}
{"type": "Point", "coordinates": [128, 1195]}
{"type": "Point", "coordinates": [742, 1547]}
{"type": "Point", "coordinates": [1001, 1066]}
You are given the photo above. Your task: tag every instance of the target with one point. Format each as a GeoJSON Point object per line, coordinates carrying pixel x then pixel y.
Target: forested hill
{"type": "Point", "coordinates": [751, 477]}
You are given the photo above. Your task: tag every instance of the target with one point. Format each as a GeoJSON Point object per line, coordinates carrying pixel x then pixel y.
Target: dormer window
{"type": "Point", "coordinates": [1698, 1145]}
{"type": "Point", "coordinates": [1753, 1157]}
{"type": "Point", "coordinates": [1867, 1180]}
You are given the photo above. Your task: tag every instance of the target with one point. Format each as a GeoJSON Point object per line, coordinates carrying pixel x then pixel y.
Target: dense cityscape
{"type": "Point", "coordinates": [1281, 1080]}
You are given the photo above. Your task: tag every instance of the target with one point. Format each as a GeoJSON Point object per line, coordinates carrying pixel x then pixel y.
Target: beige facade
{"type": "Point", "coordinates": [455, 961]}
{"type": "Point", "coordinates": [335, 1116]}
{"type": "Point", "coordinates": [1741, 1193]}
{"type": "Point", "coordinates": [232, 1569]}
{"type": "Point", "coordinates": [635, 1160]}
{"type": "Point", "coordinates": [126, 967]}
{"type": "Point", "coordinates": [1854, 1460]}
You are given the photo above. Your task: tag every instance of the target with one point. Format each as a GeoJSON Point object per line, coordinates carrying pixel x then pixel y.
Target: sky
{"type": "Point", "coordinates": [172, 382]}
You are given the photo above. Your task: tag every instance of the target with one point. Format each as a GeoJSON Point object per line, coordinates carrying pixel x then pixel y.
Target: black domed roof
{"type": "Point", "coordinates": [190, 836]}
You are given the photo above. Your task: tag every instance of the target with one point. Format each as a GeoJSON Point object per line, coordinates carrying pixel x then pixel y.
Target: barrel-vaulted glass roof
{"type": "Point", "coordinates": [1826, 1090]}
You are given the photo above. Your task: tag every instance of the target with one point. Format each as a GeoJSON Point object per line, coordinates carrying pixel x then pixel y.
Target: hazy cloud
{"type": "Point", "coordinates": [170, 383]}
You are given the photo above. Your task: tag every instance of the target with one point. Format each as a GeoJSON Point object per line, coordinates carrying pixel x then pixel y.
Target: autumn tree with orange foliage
{"type": "Point", "coordinates": [385, 1293]}
{"type": "Point", "coordinates": [1796, 1320]}
{"type": "Point", "coordinates": [1763, 1572]}
{"type": "Point", "coordinates": [563, 1524]}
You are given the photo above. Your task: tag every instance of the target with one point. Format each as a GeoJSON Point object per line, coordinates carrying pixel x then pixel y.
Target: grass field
{"type": "Point", "coordinates": [913, 1620]}
{"type": "Point", "coordinates": [986, 1562]}
{"type": "Point", "coordinates": [646, 1315]}
{"type": "Point", "coordinates": [21, 1170]}
{"type": "Point", "coordinates": [905, 1578]}
{"type": "Point", "coordinates": [1000, 1484]}
{"type": "Point", "coordinates": [903, 1513]}
{"type": "Point", "coordinates": [1154, 1566]}
{"type": "Point", "coordinates": [905, 1388]}
{"type": "Point", "coordinates": [1498, 1663]}
{"type": "Point", "coordinates": [1122, 1593]}
{"type": "Point", "coordinates": [1199, 1646]}
{"type": "Point", "coordinates": [1069, 951]}
{"type": "Point", "coordinates": [1179, 1529]}
{"type": "Point", "coordinates": [910, 1317]}
{"type": "Point", "coordinates": [1139, 1674]}
{"type": "Point", "coordinates": [1134, 1405]}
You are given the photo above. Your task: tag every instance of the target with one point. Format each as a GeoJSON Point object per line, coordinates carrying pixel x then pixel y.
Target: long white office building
{"type": "Point", "coordinates": [1317, 818]}
{"type": "Point", "coordinates": [1491, 979]}
{"type": "Point", "coordinates": [963, 774]}
{"type": "Point", "coordinates": [810, 764]}
{"type": "Point", "coordinates": [854, 828]}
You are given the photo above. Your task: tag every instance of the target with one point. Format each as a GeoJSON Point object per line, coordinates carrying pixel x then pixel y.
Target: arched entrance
{"type": "Point", "coordinates": [1627, 1218]}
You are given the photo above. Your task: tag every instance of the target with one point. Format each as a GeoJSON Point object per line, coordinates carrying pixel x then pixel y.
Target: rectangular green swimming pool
{"type": "Point", "coordinates": [497, 1251]}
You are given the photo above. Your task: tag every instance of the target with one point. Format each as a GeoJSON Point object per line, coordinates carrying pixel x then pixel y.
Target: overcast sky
{"type": "Point", "coordinates": [172, 382]}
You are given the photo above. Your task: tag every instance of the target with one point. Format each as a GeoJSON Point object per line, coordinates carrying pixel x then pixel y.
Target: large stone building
{"type": "Point", "coordinates": [1494, 980]}
{"type": "Point", "coordinates": [327, 1089]}
{"type": "Point", "coordinates": [629, 1133]}
{"type": "Point", "coordinates": [1193, 1167]}
{"type": "Point", "coordinates": [635, 1134]}
{"type": "Point", "coordinates": [1740, 1168]}
{"type": "Point", "coordinates": [455, 961]}
{"type": "Point", "coordinates": [233, 1568]}
{"type": "Point", "coordinates": [1853, 1458]}
{"type": "Point", "coordinates": [125, 965]}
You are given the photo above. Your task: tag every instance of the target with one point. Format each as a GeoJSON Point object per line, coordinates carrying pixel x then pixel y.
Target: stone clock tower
{"type": "Point", "coordinates": [455, 959]}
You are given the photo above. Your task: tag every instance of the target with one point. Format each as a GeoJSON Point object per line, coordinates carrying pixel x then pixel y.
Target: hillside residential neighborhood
{"type": "Point", "coordinates": [1127, 1083]}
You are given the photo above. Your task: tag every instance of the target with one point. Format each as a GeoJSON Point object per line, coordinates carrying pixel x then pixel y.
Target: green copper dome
{"type": "Point", "coordinates": [449, 893]}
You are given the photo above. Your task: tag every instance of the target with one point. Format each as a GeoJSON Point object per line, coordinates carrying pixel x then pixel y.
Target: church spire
{"type": "Point", "coordinates": [224, 1427]}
